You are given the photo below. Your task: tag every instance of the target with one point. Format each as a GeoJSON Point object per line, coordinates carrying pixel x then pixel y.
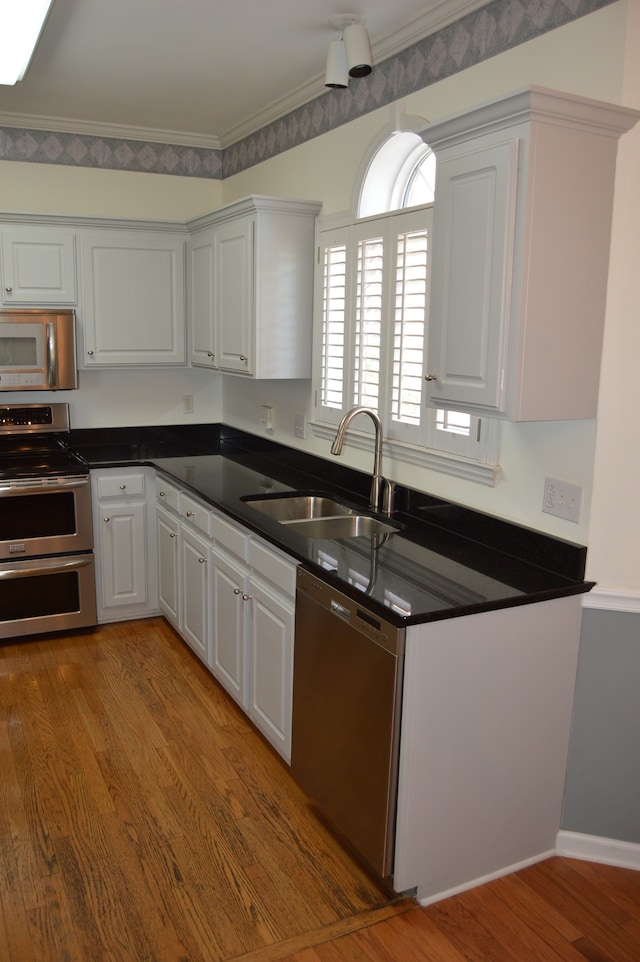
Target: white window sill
{"type": "Point", "coordinates": [456, 467]}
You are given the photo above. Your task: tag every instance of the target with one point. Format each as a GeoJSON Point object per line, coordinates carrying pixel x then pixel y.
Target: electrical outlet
{"type": "Point", "coordinates": [299, 426]}
{"type": "Point", "coordinates": [187, 403]}
{"type": "Point", "coordinates": [562, 499]}
{"type": "Point", "coordinates": [266, 417]}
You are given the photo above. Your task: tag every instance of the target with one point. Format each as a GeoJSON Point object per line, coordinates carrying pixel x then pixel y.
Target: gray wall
{"type": "Point", "coordinates": [602, 794]}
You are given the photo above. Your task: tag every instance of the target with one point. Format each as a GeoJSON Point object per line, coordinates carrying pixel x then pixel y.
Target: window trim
{"type": "Point", "coordinates": [428, 458]}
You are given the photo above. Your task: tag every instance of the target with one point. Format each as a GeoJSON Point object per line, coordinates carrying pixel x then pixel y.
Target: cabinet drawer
{"type": "Point", "coordinates": [230, 536]}
{"type": "Point", "coordinates": [167, 494]}
{"type": "Point", "coordinates": [195, 513]}
{"type": "Point", "coordinates": [273, 566]}
{"type": "Point", "coordinates": [121, 486]}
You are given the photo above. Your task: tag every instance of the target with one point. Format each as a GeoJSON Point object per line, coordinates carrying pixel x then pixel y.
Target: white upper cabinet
{"type": "Point", "coordinates": [38, 267]}
{"type": "Point", "coordinates": [520, 255]}
{"type": "Point", "coordinates": [252, 288]}
{"type": "Point", "coordinates": [133, 298]}
{"type": "Point", "coordinates": [202, 319]}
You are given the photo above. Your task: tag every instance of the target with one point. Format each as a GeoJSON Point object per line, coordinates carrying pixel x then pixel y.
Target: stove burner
{"type": "Point", "coordinates": [34, 442]}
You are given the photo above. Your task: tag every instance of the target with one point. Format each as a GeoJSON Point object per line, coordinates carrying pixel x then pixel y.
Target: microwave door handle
{"type": "Point", "coordinates": [52, 360]}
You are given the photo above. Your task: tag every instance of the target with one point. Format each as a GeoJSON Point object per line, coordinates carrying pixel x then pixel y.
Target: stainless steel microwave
{"type": "Point", "coordinates": [37, 350]}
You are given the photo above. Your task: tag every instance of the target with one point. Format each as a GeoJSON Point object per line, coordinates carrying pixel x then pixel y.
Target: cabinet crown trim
{"type": "Point", "coordinates": [533, 104]}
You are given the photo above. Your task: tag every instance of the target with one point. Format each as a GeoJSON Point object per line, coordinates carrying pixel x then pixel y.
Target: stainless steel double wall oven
{"type": "Point", "coordinates": [47, 580]}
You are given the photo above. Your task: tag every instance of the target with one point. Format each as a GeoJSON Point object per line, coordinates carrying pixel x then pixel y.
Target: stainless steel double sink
{"type": "Point", "coordinates": [319, 517]}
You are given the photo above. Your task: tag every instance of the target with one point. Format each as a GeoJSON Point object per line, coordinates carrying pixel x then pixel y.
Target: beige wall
{"type": "Point", "coordinates": [81, 191]}
{"type": "Point", "coordinates": [614, 539]}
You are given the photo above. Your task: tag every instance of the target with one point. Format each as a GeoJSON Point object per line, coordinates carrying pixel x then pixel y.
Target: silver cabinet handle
{"type": "Point", "coordinates": [237, 591]}
{"type": "Point", "coordinates": [172, 534]}
{"type": "Point", "coordinates": [106, 520]}
{"type": "Point", "coordinates": [210, 354]}
{"type": "Point", "coordinates": [242, 357]}
{"type": "Point", "coordinates": [161, 494]}
{"type": "Point", "coordinates": [430, 377]}
{"type": "Point", "coordinates": [9, 290]}
{"type": "Point", "coordinates": [123, 487]}
{"type": "Point", "coordinates": [246, 597]}
{"type": "Point", "coordinates": [90, 353]}
{"type": "Point", "coordinates": [202, 561]}
{"type": "Point", "coordinates": [189, 514]}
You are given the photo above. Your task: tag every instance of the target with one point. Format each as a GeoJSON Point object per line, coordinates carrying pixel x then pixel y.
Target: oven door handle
{"type": "Point", "coordinates": [52, 566]}
{"type": "Point", "coordinates": [38, 488]}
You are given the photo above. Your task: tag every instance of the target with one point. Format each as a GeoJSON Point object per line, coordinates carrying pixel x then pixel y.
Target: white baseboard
{"type": "Point", "coordinates": [507, 870]}
{"type": "Point", "coordinates": [594, 848]}
{"type": "Point", "coordinates": [589, 848]}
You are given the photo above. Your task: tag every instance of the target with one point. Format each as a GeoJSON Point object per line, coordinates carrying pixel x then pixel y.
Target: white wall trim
{"type": "Point", "coordinates": [612, 599]}
{"type": "Point", "coordinates": [595, 848]}
{"type": "Point", "coordinates": [589, 848]}
{"type": "Point", "coordinates": [507, 870]}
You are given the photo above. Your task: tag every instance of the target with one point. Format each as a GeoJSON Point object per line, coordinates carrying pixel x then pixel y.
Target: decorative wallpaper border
{"type": "Point", "coordinates": [484, 33]}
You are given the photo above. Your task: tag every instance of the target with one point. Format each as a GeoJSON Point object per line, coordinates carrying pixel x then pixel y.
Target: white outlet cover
{"type": "Point", "coordinates": [562, 499]}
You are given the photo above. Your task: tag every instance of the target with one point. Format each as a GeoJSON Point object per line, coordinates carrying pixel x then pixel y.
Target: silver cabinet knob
{"type": "Point", "coordinates": [9, 290]}
{"type": "Point", "coordinates": [210, 354]}
{"type": "Point", "coordinates": [123, 487]}
{"type": "Point", "coordinates": [173, 534]}
{"type": "Point", "coordinates": [161, 494]}
{"type": "Point", "coordinates": [189, 514]}
{"type": "Point", "coordinates": [106, 520]}
{"type": "Point", "coordinates": [246, 597]}
{"type": "Point", "coordinates": [237, 591]}
{"type": "Point", "coordinates": [430, 377]}
{"type": "Point", "coordinates": [90, 353]}
{"type": "Point", "coordinates": [242, 357]}
{"type": "Point", "coordinates": [202, 561]}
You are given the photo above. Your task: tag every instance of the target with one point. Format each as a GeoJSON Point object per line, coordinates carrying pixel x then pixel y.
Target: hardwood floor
{"type": "Point", "coordinates": [143, 818]}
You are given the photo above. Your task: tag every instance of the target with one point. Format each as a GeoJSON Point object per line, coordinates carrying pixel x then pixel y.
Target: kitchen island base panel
{"type": "Point", "coordinates": [486, 725]}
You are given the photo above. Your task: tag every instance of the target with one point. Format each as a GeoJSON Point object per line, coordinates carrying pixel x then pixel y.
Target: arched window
{"type": "Point", "coordinates": [402, 173]}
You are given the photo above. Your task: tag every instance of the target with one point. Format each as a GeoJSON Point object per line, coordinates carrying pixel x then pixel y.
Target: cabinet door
{"type": "Point", "coordinates": [271, 666]}
{"type": "Point", "coordinates": [133, 296]}
{"type": "Point", "coordinates": [168, 583]}
{"type": "Point", "coordinates": [234, 294]}
{"type": "Point", "coordinates": [203, 332]}
{"type": "Point", "coordinates": [194, 555]}
{"type": "Point", "coordinates": [38, 267]}
{"type": "Point", "coordinates": [471, 277]}
{"type": "Point", "coordinates": [229, 599]}
{"type": "Point", "coordinates": [122, 555]}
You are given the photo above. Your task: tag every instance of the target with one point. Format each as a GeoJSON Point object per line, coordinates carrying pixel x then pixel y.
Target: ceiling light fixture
{"type": "Point", "coordinates": [350, 56]}
{"type": "Point", "coordinates": [21, 24]}
{"type": "Point", "coordinates": [337, 72]}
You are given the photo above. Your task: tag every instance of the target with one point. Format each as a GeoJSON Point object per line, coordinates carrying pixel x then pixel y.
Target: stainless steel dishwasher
{"type": "Point", "coordinates": [347, 693]}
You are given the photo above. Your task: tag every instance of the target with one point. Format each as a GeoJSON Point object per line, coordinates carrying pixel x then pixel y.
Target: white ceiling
{"type": "Point", "coordinates": [196, 72]}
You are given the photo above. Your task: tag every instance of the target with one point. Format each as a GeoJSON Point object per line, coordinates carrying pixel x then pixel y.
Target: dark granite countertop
{"type": "Point", "coordinates": [446, 561]}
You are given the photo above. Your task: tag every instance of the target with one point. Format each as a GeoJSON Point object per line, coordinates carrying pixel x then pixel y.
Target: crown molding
{"type": "Point", "coordinates": [440, 15]}
{"type": "Point", "coordinates": [65, 125]}
{"type": "Point", "coordinates": [434, 18]}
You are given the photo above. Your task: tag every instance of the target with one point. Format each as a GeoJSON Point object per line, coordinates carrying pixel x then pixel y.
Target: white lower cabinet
{"type": "Point", "coordinates": [271, 664]}
{"type": "Point", "coordinates": [168, 587]}
{"type": "Point", "coordinates": [231, 596]}
{"type": "Point", "coordinates": [229, 599]}
{"type": "Point", "coordinates": [124, 538]}
{"type": "Point", "coordinates": [194, 592]}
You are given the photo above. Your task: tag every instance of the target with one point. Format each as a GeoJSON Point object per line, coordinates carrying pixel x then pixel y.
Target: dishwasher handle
{"type": "Point", "coordinates": [340, 611]}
